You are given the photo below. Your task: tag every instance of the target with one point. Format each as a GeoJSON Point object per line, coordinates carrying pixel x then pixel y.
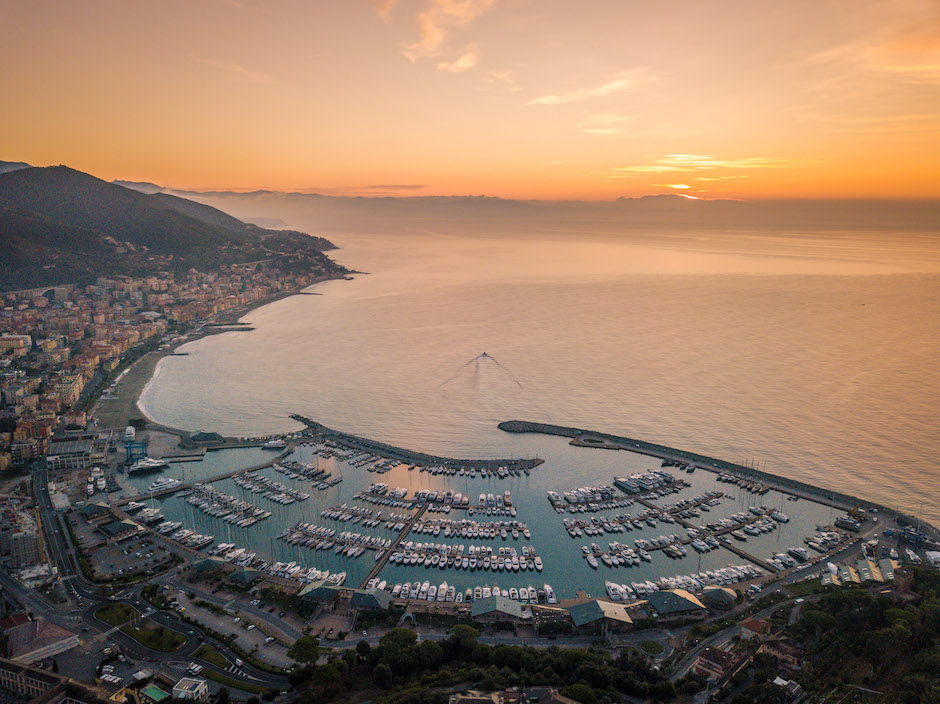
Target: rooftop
{"type": "Point", "coordinates": [591, 611]}
{"type": "Point", "coordinates": [675, 601]}
{"type": "Point", "coordinates": [501, 604]}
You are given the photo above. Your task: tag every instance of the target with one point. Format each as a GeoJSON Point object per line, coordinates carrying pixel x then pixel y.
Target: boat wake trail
{"type": "Point", "coordinates": [480, 360]}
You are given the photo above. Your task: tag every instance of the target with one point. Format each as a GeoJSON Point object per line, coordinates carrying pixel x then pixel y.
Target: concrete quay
{"type": "Point", "coordinates": [410, 456]}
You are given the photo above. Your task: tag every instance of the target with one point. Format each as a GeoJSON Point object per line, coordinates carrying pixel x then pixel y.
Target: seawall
{"type": "Point", "coordinates": [592, 438]}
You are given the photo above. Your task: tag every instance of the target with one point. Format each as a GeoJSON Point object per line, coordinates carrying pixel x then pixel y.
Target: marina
{"type": "Point", "coordinates": [641, 516]}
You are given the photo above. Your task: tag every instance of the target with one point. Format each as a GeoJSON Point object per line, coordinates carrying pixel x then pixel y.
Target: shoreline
{"type": "Point", "coordinates": [125, 403]}
{"type": "Point", "coordinates": [139, 375]}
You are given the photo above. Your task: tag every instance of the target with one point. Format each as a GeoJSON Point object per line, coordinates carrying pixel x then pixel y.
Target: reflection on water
{"type": "Point", "coordinates": [757, 350]}
{"type": "Point", "coordinates": [566, 467]}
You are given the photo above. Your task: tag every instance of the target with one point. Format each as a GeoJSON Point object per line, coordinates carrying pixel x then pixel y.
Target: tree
{"type": "Point", "coordinates": [428, 655]}
{"type": "Point", "coordinates": [223, 696]}
{"type": "Point", "coordinates": [363, 650]}
{"type": "Point", "coordinates": [305, 649]}
{"type": "Point", "coordinates": [466, 636]}
{"type": "Point", "coordinates": [382, 675]}
{"type": "Point", "coordinates": [399, 638]}
{"type": "Point", "coordinates": [325, 675]}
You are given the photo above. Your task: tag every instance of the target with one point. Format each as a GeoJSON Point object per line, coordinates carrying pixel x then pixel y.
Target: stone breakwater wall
{"type": "Point", "coordinates": [582, 437]}
{"type": "Point", "coordinates": [410, 456]}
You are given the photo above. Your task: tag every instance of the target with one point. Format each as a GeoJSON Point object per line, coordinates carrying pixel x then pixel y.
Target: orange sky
{"type": "Point", "coordinates": [515, 98]}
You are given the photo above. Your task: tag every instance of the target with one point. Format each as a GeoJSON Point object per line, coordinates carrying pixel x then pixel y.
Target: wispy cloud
{"type": "Point", "coordinates": [463, 63]}
{"type": "Point", "coordinates": [240, 73]}
{"type": "Point", "coordinates": [879, 124]}
{"type": "Point", "coordinates": [395, 187]}
{"type": "Point", "coordinates": [908, 49]}
{"type": "Point", "coordinates": [700, 162]}
{"type": "Point", "coordinates": [604, 124]}
{"type": "Point", "coordinates": [617, 85]}
{"type": "Point", "coordinates": [437, 21]}
{"type": "Point", "coordinates": [384, 8]}
{"type": "Point", "coordinates": [502, 80]}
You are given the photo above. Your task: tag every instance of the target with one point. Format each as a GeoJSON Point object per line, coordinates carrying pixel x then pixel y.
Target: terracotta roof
{"type": "Point", "coordinates": [34, 635]}
{"type": "Point", "coordinates": [756, 625]}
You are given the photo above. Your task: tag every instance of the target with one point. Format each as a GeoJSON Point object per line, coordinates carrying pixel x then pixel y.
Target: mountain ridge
{"type": "Point", "coordinates": [60, 225]}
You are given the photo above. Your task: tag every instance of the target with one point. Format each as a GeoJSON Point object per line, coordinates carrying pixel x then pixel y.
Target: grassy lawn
{"type": "Point", "coordinates": [210, 654]}
{"type": "Point", "coordinates": [651, 647]}
{"type": "Point", "coordinates": [806, 588]}
{"type": "Point", "coordinates": [156, 637]}
{"type": "Point", "coordinates": [116, 614]}
{"type": "Point", "coordinates": [230, 683]}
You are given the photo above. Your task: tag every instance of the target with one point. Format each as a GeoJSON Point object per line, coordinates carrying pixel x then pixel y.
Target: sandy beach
{"type": "Point", "coordinates": [117, 410]}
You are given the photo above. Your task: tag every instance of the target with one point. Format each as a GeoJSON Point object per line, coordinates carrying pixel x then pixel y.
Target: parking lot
{"type": "Point", "coordinates": [133, 556]}
{"type": "Point", "coordinates": [249, 634]}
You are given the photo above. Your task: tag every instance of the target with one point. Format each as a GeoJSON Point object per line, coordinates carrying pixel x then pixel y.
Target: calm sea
{"type": "Point", "coordinates": [811, 355]}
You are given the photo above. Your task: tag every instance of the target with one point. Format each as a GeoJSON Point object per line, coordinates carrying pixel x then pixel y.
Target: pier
{"type": "Point", "coordinates": [208, 480]}
{"type": "Point", "coordinates": [733, 548]}
{"type": "Point", "coordinates": [410, 456]}
{"type": "Point", "coordinates": [380, 563]}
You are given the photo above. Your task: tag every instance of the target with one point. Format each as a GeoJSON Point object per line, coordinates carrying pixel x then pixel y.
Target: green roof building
{"type": "Point", "coordinates": [721, 598]}
{"type": "Point", "coordinates": [598, 616]}
{"type": "Point", "coordinates": [675, 603]}
{"type": "Point", "coordinates": [497, 608]}
{"type": "Point", "coordinates": [371, 599]}
{"type": "Point", "coordinates": [319, 591]}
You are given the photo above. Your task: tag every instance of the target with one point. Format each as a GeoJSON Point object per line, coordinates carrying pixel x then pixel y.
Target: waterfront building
{"type": "Point", "coordinates": [370, 599]}
{"type": "Point", "coordinates": [719, 598]}
{"type": "Point", "coordinates": [116, 531]}
{"type": "Point", "coordinates": [600, 617]}
{"type": "Point", "coordinates": [95, 512]}
{"type": "Point", "coordinates": [676, 603]}
{"type": "Point", "coordinates": [493, 609]}
{"type": "Point", "coordinates": [325, 593]}
{"type": "Point", "coordinates": [69, 454]}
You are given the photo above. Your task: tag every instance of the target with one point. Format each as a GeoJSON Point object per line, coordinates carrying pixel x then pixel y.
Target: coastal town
{"type": "Point", "coordinates": [141, 563]}
{"type": "Point", "coordinates": [100, 585]}
{"type": "Point", "coordinates": [61, 344]}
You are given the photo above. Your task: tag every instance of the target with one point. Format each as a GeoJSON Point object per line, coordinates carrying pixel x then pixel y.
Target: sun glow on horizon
{"type": "Point", "coordinates": [439, 97]}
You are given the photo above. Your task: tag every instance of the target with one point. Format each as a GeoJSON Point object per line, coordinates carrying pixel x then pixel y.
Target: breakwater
{"type": "Point", "coordinates": [410, 456]}
{"type": "Point", "coordinates": [591, 438]}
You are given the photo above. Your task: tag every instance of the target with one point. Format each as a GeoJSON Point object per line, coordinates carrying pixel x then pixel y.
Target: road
{"type": "Point", "coordinates": [85, 599]}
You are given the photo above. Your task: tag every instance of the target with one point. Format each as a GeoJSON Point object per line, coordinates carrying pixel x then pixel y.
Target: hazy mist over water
{"type": "Point", "coordinates": [813, 354]}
